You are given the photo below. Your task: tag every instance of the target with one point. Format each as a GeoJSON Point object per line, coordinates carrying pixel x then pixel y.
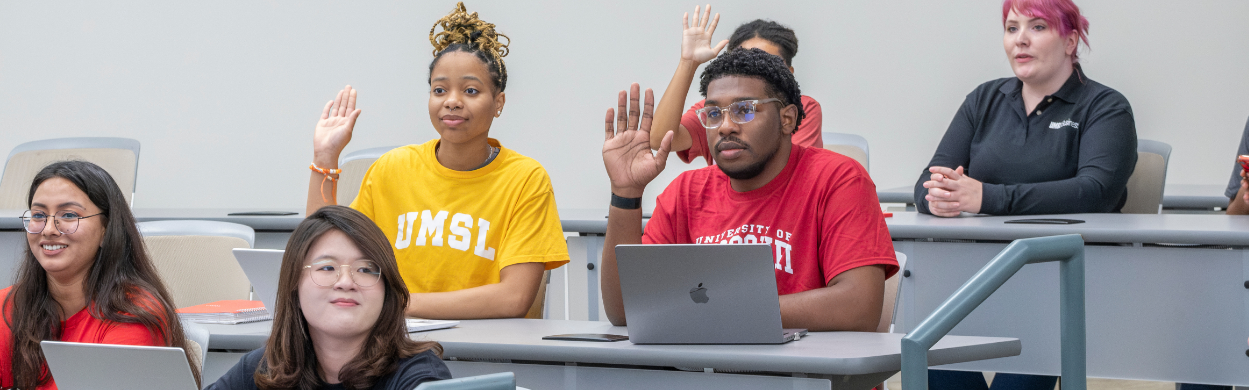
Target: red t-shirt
{"type": "Point", "coordinates": [820, 214]}
{"type": "Point", "coordinates": [80, 328]}
{"type": "Point", "coordinates": [809, 133]}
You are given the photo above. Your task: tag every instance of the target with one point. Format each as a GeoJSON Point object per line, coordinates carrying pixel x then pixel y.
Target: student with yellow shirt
{"type": "Point", "coordinates": [473, 224]}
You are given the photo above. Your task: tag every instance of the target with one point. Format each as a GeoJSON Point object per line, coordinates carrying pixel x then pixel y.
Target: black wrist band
{"type": "Point", "coordinates": [620, 202]}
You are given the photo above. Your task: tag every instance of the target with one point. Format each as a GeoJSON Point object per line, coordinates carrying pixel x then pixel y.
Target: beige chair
{"type": "Point", "coordinates": [197, 339]}
{"type": "Point", "coordinates": [849, 145]}
{"type": "Point", "coordinates": [354, 165]}
{"type": "Point", "coordinates": [538, 309]}
{"type": "Point", "coordinates": [118, 156]}
{"type": "Point", "coordinates": [893, 288]}
{"type": "Point", "coordinates": [196, 261]}
{"type": "Point", "coordinates": [1148, 180]}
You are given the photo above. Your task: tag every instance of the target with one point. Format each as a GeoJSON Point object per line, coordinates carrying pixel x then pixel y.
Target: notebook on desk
{"type": "Point", "coordinates": [106, 366]}
{"type": "Point", "coordinates": [263, 268]}
{"type": "Point", "coordinates": [701, 294]}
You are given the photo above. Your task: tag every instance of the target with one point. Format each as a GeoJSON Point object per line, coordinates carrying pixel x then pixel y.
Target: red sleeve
{"type": "Point", "coordinates": [131, 334]}
{"type": "Point", "coordinates": [811, 131]}
{"type": "Point", "coordinates": [662, 228]}
{"type": "Point", "coordinates": [698, 134]}
{"type": "Point", "coordinates": [854, 233]}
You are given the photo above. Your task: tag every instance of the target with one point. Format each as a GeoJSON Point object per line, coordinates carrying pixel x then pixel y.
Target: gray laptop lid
{"type": "Point", "coordinates": [700, 294]}
{"type": "Point", "coordinates": [77, 366]}
{"type": "Point", "coordinates": [263, 268]}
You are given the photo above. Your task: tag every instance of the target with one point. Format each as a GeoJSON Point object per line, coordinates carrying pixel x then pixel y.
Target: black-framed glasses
{"type": "Point", "coordinates": [65, 222]}
{"type": "Point", "coordinates": [739, 112]}
{"type": "Point", "coordinates": [364, 273]}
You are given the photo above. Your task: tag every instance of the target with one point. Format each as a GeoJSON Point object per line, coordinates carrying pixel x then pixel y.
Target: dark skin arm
{"type": "Point", "coordinates": [630, 166]}
{"type": "Point", "coordinates": [851, 301]}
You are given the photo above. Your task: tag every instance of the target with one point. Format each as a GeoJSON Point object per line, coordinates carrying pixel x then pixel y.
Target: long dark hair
{"type": "Point", "coordinates": [121, 286]}
{"type": "Point", "coordinates": [290, 361]}
{"type": "Point", "coordinates": [770, 31]}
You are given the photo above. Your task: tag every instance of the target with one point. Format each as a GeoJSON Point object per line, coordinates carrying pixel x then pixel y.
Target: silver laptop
{"type": "Point", "coordinates": [77, 366]}
{"type": "Point", "coordinates": [263, 268]}
{"type": "Point", "coordinates": [701, 294]}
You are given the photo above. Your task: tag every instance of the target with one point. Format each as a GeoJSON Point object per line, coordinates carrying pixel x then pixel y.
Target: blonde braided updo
{"type": "Point", "coordinates": [464, 31]}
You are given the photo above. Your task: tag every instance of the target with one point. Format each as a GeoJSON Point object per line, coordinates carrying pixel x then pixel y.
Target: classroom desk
{"type": "Point", "coordinates": [1166, 293]}
{"type": "Point", "coordinates": [821, 360]}
{"type": "Point", "coordinates": [1174, 197]}
{"type": "Point", "coordinates": [896, 195]}
{"type": "Point", "coordinates": [1194, 196]}
{"type": "Point", "coordinates": [272, 232]}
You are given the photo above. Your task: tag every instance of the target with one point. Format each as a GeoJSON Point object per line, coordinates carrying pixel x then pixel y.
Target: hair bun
{"type": "Point", "coordinates": [466, 28]}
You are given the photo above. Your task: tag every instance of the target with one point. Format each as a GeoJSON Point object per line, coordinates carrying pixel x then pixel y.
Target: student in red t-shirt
{"type": "Point", "coordinates": [85, 276]}
{"type": "Point", "coordinates": [689, 135]}
{"type": "Point", "coordinates": [817, 209]}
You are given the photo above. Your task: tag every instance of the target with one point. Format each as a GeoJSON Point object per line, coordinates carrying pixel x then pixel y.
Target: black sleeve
{"type": "Point", "coordinates": [954, 150]}
{"type": "Point", "coordinates": [1107, 157]}
{"type": "Point", "coordinates": [241, 375]}
{"type": "Point", "coordinates": [420, 368]}
{"type": "Point", "coordinates": [1233, 185]}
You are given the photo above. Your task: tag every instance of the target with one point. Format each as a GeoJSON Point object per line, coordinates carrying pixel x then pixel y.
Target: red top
{"type": "Point", "coordinates": [809, 133]}
{"type": "Point", "coordinates": [80, 328]}
{"type": "Point", "coordinates": [820, 214]}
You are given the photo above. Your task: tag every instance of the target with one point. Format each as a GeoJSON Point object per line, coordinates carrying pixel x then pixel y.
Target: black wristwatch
{"type": "Point", "coordinates": [620, 202]}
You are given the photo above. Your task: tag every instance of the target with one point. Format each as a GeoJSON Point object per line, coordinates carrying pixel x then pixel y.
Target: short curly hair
{"type": "Point", "coordinates": [758, 64]}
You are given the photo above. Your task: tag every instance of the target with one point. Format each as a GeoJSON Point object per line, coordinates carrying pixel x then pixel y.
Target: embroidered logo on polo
{"type": "Point", "coordinates": [1059, 125]}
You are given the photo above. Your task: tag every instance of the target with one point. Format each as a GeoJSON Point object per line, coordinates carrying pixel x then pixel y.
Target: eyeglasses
{"type": "Point", "coordinates": [364, 273]}
{"type": "Point", "coordinates": [66, 222]}
{"type": "Point", "coordinates": [739, 112]}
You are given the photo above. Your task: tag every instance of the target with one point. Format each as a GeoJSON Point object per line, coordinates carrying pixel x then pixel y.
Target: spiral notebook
{"type": "Point", "coordinates": [226, 312]}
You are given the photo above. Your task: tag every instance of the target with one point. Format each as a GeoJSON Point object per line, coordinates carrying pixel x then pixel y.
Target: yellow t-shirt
{"type": "Point", "coordinates": [453, 230]}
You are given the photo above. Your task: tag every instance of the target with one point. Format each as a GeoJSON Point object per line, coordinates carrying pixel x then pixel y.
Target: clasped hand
{"type": "Point", "coordinates": [951, 192]}
{"type": "Point", "coordinates": [626, 147]}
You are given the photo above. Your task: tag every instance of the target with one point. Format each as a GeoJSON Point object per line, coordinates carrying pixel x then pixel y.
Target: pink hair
{"type": "Point", "coordinates": [1063, 14]}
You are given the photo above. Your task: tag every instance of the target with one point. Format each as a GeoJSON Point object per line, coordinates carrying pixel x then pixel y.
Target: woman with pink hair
{"type": "Point", "coordinates": [1047, 141]}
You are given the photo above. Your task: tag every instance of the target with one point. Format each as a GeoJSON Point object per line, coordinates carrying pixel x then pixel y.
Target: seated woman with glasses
{"type": "Point", "coordinates": [339, 321]}
{"type": "Point", "coordinates": [84, 277]}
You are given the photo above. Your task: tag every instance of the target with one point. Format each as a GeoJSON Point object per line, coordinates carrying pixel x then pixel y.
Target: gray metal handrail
{"type": "Point", "coordinates": [1067, 249]}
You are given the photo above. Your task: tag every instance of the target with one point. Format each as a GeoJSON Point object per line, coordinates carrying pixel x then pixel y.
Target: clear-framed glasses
{"type": "Point", "coordinates": [66, 222]}
{"type": "Point", "coordinates": [364, 273]}
{"type": "Point", "coordinates": [739, 112]}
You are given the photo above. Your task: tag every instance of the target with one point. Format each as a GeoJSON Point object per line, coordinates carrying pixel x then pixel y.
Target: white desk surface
{"type": "Point", "coordinates": [835, 353]}
{"type": "Point", "coordinates": [1103, 228]}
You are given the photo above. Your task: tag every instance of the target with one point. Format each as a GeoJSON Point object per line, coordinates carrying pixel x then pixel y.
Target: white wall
{"type": "Point", "coordinates": [224, 95]}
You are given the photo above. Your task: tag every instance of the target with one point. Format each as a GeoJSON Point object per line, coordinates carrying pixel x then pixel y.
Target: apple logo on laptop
{"type": "Point", "coordinates": [699, 294]}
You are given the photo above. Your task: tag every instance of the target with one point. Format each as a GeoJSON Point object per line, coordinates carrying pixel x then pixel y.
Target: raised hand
{"type": "Point", "coordinates": [696, 40]}
{"type": "Point", "coordinates": [626, 148]}
{"type": "Point", "coordinates": [333, 131]}
{"type": "Point", "coordinates": [951, 192]}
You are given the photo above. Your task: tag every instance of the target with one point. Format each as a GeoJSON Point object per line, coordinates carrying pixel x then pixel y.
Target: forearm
{"type": "Point", "coordinates": [489, 301]}
{"type": "Point", "coordinates": [671, 106]}
{"type": "Point", "coordinates": [510, 298]}
{"type": "Point", "coordinates": [1238, 206]}
{"type": "Point", "coordinates": [321, 191]}
{"type": "Point", "coordinates": [623, 227]}
{"type": "Point", "coordinates": [852, 303]}
{"type": "Point", "coordinates": [1080, 194]}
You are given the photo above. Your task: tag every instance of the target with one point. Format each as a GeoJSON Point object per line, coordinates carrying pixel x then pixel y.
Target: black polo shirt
{"type": "Point", "coordinates": [1233, 185]}
{"type": "Point", "coordinates": [1073, 154]}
